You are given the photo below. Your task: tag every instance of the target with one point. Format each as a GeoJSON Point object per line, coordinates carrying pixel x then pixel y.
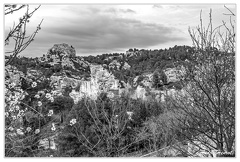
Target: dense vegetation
{"type": "Point", "coordinates": [144, 61]}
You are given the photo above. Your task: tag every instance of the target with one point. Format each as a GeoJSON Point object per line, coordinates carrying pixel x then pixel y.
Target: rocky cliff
{"type": "Point", "coordinates": [101, 81]}
{"type": "Point", "coordinates": [99, 78]}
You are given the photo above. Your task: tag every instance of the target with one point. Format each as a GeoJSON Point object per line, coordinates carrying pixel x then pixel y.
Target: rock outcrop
{"type": "Point", "coordinates": [103, 78]}
{"type": "Point", "coordinates": [73, 74]}
{"type": "Point", "coordinates": [100, 81]}
{"type": "Point", "coordinates": [174, 74]}
{"type": "Point", "coordinates": [62, 50]}
{"type": "Point", "coordinates": [99, 78]}
{"type": "Point", "coordinates": [63, 56]}
{"type": "Point", "coordinates": [144, 85]}
{"type": "Point", "coordinates": [117, 65]}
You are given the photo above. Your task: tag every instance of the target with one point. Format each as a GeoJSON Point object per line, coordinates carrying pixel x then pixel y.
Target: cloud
{"type": "Point", "coordinates": [109, 33]}
{"type": "Point", "coordinates": [119, 11]}
{"type": "Point", "coordinates": [157, 6]}
{"type": "Point", "coordinates": [127, 11]}
{"type": "Point", "coordinates": [96, 29]}
{"type": "Point", "coordinates": [100, 29]}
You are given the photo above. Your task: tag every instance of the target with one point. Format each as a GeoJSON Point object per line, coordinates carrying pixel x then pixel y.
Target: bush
{"type": "Point", "coordinates": [97, 128]}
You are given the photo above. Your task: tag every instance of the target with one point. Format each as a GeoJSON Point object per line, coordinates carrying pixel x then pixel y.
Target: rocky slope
{"type": "Point", "coordinates": [86, 79]}
{"type": "Point", "coordinates": [99, 78]}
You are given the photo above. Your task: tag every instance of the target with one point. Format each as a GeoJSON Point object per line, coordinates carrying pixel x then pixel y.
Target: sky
{"type": "Point", "coordinates": [96, 29]}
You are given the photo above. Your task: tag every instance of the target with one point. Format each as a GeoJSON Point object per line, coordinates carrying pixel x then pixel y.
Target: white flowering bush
{"type": "Point", "coordinates": [27, 112]}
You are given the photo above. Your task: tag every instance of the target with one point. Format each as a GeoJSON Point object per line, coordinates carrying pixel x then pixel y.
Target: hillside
{"type": "Point", "coordinates": [136, 68]}
{"type": "Point", "coordinates": [118, 104]}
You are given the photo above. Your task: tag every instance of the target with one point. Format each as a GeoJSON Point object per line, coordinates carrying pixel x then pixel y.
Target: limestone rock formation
{"type": "Point", "coordinates": [140, 92]}
{"type": "Point", "coordinates": [62, 50]}
{"type": "Point", "coordinates": [99, 78]}
{"type": "Point", "coordinates": [117, 65]}
{"type": "Point", "coordinates": [60, 54]}
{"type": "Point", "coordinates": [174, 74]}
{"type": "Point", "coordinates": [103, 78]}
{"type": "Point", "coordinates": [63, 56]}
{"type": "Point", "coordinates": [171, 74]}
{"type": "Point", "coordinates": [100, 81]}
{"type": "Point", "coordinates": [144, 80]}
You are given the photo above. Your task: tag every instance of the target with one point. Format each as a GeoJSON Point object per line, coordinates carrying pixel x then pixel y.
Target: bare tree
{"type": "Point", "coordinates": [19, 32]}
{"type": "Point", "coordinates": [207, 103]}
{"type": "Point", "coordinates": [108, 134]}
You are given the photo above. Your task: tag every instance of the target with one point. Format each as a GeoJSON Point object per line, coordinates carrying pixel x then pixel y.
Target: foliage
{"type": "Point", "coordinates": [144, 61]}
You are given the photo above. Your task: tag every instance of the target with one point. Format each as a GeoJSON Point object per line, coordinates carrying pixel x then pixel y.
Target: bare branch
{"type": "Point", "coordinates": [231, 13]}
{"type": "Point", "coordinates": [12, 8]}
{"type": "Point", "coordinates": [18, 34]}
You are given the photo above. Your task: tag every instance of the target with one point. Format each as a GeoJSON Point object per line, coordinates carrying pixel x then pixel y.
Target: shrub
{"type": "Point", "coordinates": [97, 128]}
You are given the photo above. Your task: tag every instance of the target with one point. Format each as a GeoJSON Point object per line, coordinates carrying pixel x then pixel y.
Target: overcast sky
{"type": "Point", "coordinates": [97, 29]}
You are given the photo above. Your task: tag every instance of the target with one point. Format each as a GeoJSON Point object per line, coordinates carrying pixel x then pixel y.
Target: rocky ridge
{"type": "Point", "coordinates": [99, 79]}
